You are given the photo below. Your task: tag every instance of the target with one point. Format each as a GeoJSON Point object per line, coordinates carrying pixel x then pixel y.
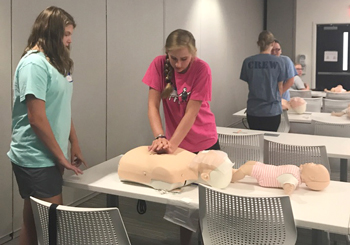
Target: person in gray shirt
{"type": "Point", "coordinates": [298, 83]}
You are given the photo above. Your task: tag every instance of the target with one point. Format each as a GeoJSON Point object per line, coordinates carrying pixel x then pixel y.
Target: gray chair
{"type": "Point", "coordinates": [285, 124]}
{"type": "Point", "coordinates": [230, 219]}
{"type": "Point", "coordinates": [79, 225]}
{"type": "Point", "coordinates": [336, 130]}
{"type": "Point", "coordinates": [300, 93]}
{"type": "Point", "coordinates": [337, 96]}
{"type": "Point", "coordinates": [313, 104]}
{"type": "Point", "coordinates": [242, 147]}
{"type": "Point", "coordinates": [334, 105]}
{"type": "Point", "coordinates": [330, 129]}
{"type": "Point", "coordinates": [282, 154]}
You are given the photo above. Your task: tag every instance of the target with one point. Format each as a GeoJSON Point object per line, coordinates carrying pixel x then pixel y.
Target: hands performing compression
{"type": "Point", "coordinates": [161, 146]}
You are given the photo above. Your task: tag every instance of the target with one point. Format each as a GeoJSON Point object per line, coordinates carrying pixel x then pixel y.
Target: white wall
{"type": "Point", "coordinates": [5, 120]}
{"type": "Point", "coordinates": [226, 41]}
{"type": "Point", "coordinates": [113, 45]}
{"type": "Point", "coordinates": [134, 38]}
{"type": "Point", "coordinates": [309, 13]}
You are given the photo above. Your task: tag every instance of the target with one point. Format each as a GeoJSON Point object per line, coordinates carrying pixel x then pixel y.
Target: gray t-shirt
{"type": "Point", "coordinates": [263, 72]}
{"type": "Point", "coordinates": [298, 83]}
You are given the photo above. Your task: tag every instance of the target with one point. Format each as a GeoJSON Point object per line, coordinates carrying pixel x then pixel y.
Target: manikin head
{"type": "Point", "coordinates": [298, 104]}
{"type": "Point", "coordinates": [214, 168]}
{"type": "Point", "coordinates": [338, 89]}
{"type": "Point", "coordinates": [315, 176]}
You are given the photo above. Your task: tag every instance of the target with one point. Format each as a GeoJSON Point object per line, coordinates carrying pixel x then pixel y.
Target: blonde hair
{"type": "Point", "coordinates": [176, 40]}
{"type": "Point", "coordinates": [265, 39]}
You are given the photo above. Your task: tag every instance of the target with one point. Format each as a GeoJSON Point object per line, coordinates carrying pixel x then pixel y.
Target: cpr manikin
{"type": "Point", "coordinates": [287, 177]}
{"type": "Point", "coordinates": [343, 112]}
{"type": "Point", "coordinates": [295, 104]}
{"type": "Point", "coordinates": [171, 171]}
{"type": "Point", "coordinates": [337, 89]}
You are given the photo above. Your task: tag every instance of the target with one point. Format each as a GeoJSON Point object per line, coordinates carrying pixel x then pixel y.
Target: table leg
{"type": "Point", "coordinates": [320, 237]}
{"type": "Point", "coordinates": [112, 201]}
{"type": "Point", "coordinates": [344, 170]}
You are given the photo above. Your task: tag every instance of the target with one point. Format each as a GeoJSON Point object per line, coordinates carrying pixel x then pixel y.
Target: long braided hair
{"type": "Point", "coordinates": [176, 39]}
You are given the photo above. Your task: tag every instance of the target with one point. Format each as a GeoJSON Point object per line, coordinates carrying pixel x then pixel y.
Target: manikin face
{"type": "Point", "coordinates": [277, 51]}
{"type": "Point", "coordinates": [299, 70]}
{"type": "Point", "coordinates": [215, 168]}
{"type": "Point", "coordinates": [67, 38]}
{"type": "Point", "coordinates": [180, 59]}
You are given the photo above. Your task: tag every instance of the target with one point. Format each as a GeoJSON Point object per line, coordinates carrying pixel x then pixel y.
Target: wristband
{"type": "Point", "coordinates": [160, 136]}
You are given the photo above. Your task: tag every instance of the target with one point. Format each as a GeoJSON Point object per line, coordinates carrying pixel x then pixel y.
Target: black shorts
{"type": "Point", "coordinates": [38, 182]}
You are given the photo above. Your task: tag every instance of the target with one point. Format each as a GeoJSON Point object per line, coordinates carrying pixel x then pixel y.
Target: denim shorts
{"type": "Point", "coordinates": [38, 182]}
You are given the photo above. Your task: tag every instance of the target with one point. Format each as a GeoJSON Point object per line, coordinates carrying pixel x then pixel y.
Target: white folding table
{"type": "Point", "coordinates": [327, 210]}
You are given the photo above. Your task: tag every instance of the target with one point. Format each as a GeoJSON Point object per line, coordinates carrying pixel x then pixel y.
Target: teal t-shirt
{"type": "Point", "coordinates": [35, 75]}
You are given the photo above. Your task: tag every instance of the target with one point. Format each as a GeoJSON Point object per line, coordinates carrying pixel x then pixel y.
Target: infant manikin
{"type": "Point", "coordinates": [298, 105]}
{"type": "Point", "coordinates": [337, 89]}
{"type": "Point", "coordinates": [341, 113]}
{"type": "Point", "coordinates": [172, 171]}
{"type": "Point", "coordinates": [295, 104]}
{"type": "Point", "coordinates": [287, 177]}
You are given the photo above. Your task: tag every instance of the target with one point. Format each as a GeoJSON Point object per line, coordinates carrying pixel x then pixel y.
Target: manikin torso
{"type": "Point", "coordinates": [166, 172]}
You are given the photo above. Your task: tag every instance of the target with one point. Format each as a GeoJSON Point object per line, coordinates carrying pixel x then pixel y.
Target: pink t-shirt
{"type": "Point", "coordinates": [196, 84]}
{"type": "Point", "coordinates": [267, 174]}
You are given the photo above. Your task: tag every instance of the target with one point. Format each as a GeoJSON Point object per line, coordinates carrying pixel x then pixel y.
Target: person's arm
{"type": "Point", "coordinates": [160, 144]}
{"type": "Point", "coordinates": [288, 84]}
{"type": "Point", "coordinates": [280, 87]}
{"type": "Point", "coordinates": [185, 124]}
{"type": "Point", "coordinates": [76, 155]}
{"type": "Point", "coordinates": [41, 127]}
{"type": "Point", "coordinates": [307, 87]}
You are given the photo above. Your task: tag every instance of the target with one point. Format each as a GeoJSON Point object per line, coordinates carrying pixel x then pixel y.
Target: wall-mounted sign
{"type": "Point", "coordinates": [330, 56]}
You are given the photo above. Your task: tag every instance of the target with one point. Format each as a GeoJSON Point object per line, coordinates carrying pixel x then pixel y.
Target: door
{"type": "Point", "coordinates": [332, 56]}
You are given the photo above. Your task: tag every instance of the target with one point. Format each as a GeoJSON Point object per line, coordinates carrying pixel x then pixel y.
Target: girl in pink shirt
{"type": "Point", "coordinates": [183, 83]}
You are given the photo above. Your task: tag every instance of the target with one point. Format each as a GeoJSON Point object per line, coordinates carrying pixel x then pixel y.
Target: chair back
{"type": "Point", "coordinates": [337, 96]}
{"type": "Point", "coordinates": [80, 225]}
{"type": "Point", "coordinates": [230, 219]}
{"type": "Point", "coordinates": [313, 104]}
{"type": "Point", "coordinates": [283, 154]}
{"type": "Point", "coordinates": [285, 124]}
{"type": "Point", "coordinates": [330, 129]}
{"type": "Point", "coordinates": [334, 105]}
{"type": "Point", "coordinates": [241, 148]}
{"type": "Point", "coordinates": [300, 93]}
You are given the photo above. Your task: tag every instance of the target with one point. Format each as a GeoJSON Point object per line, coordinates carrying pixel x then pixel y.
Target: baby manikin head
{"type": "Point", "coordinates": [214, 168]}
{"type": "Point", "coordinates": [298, 104]}
{"type": "Point", "coordinates": [338, 89]}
